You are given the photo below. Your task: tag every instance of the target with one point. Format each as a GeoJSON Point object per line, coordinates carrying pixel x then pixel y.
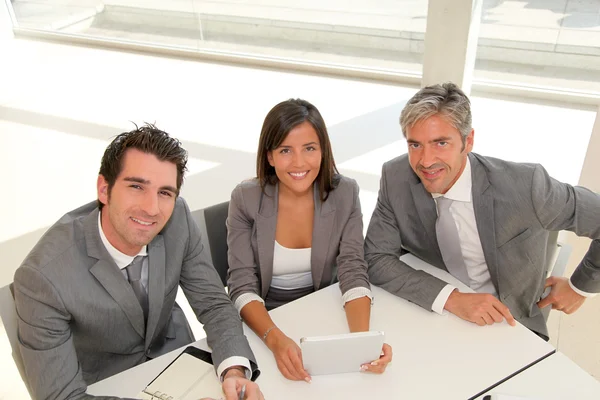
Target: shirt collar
{"type": "Point", "coordinates": [461, 190]}
{"type": "Point", "coordinates": [122, 260]}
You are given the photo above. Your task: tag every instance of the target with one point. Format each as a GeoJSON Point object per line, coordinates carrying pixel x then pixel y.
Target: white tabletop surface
{"type": "Point", "coordinates": [435, 357]}
{"type": "Point", "coordinates": [554, 378]}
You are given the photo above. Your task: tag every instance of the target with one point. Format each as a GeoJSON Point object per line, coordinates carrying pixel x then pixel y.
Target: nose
{"type": "Point", "coordinates": [298, 159]}
{"type": "Point", "coordinates": [150, 204]}
{"type": "Point", "coordinates": [427, 157]}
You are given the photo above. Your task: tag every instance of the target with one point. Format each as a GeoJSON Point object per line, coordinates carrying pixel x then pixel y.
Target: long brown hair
{"type": "Point", "coordinates": [278, 123]}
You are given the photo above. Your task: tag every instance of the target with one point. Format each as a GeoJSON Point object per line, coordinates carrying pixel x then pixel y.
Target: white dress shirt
{"type": "Point", "coordinates": [123, 260]}
{"type": "Point", "coordinates": [464, 216]}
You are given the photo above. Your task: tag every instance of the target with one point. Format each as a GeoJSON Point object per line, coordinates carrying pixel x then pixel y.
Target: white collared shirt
{"type": "Point", "coordinates": [123, 260]}
{"type": "Point", "coordinates": [464, 216]}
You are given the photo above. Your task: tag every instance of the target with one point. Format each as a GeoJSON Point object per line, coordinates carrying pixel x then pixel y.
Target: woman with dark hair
{"type": "Point", "coordinates": [296, 228]}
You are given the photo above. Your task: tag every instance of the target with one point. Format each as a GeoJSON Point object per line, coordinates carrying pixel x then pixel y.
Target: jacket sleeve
{"type": "Point", "coordinates": [243, 268]}
{"type": "Point", "coordinates": [204, 290]}
{"type": "Point", "coordinates": [352, 267]}
{"type": "Point", "coordinates": [560, 206]}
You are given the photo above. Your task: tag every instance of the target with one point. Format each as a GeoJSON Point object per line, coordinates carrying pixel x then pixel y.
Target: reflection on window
{"type": "Point", "coordinates": [550, 43]}
{"type": "Point", "coordinates": [379, 34]}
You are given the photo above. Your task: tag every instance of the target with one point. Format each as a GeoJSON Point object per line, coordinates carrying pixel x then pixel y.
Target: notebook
{"type": "Point", "coordinates": [190, 376]}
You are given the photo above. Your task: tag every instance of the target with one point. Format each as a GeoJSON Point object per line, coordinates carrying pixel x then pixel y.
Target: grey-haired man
{"type": "Point", "coordinates": [483, 219]}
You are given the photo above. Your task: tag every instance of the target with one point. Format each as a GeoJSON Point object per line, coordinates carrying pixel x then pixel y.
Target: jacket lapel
{"type": "Point", "coordinates": [427, 211]}
{"type": "Point", "coordinates": [156, 284]}
{"type": "Point", "coordinates": [483, 206]}
{"type": "Point", "coordinates": [266, 223]}
{"type": "Point", "coordinates": [110, 276]}
{"type": "Point", "coordinates": [321, 237]}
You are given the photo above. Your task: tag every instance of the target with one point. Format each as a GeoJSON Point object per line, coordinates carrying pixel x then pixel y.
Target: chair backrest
{"type": "Point", "coordinates": [8, 313]}
{"type": "Point", "coordinates": [557, 255]}
{"type": "Point", "coordinates": [211, 221]}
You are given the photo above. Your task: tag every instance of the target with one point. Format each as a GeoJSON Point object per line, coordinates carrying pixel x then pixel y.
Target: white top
{"type": "Point", "coordinates": [464, 216]}
{"type": "Point", "coordinates": [291, 268]}
{"type": "Point", "coordinates": [123, 260]}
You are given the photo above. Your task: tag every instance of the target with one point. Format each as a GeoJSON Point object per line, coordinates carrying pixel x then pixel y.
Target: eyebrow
{"type": "Point", "coordinates": [147, 182]}
{"type": "Point", "coordinates": [437, 140]}
{"type": "Point", "coordinates": [304, 145]}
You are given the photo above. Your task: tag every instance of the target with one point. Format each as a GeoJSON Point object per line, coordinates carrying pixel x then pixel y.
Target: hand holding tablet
{"type": "Point", "coordinates": [345, 353]}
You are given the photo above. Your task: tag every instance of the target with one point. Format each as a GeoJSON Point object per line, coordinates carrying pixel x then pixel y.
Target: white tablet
{"type": "Point", "coordinates": [337, 354]}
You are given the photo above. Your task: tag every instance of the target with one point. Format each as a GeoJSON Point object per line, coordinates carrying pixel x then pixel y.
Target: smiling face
{"type": "Point", "coordinates": [437, 153]}
{"type": "Point", "coordinates": [140, 202]}
{"type": "Point", "coordinates": [297, 160]}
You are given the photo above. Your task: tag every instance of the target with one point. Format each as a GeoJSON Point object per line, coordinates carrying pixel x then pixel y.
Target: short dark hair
{"type": "Point", "coordinates": [278, 123]}
{"type": "Point", "coordinates": [148, 139]}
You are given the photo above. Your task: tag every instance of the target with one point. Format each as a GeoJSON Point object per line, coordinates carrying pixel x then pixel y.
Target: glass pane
{"type": "Point", "coordinates": [380, 34]}
{"type": "Point", "coordinates": [548, 43]}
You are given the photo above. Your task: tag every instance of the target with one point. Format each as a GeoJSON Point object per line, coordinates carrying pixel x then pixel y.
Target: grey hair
{"type": "Point", "coordinates": [447, 100]}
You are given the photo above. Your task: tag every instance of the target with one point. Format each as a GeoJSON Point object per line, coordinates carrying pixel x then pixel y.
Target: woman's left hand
{"type": "Point", "coordinates": [378, 366]}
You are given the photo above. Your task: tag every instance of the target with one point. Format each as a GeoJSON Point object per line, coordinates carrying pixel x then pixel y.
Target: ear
{"type": "Point", "coordinates": [102, 187]}
{"type": "Point", "coordinates": [469, 141]}
{"type": "Point", "coordinates": [270, 158]}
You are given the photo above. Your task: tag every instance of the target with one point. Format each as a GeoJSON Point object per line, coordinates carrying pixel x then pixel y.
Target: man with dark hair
{"type": "Point", "coordinates": [96, 295]}
{"type": "Point", "coordinates": [484, 220]}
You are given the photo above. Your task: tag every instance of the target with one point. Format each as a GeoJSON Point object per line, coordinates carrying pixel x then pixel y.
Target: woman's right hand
{"type": "Point", "coordinates": [287, 355]}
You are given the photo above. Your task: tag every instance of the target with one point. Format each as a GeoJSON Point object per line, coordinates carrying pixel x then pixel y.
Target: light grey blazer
{"type": "Point", "coordinates": [515, 206]}
{"type": "Point", "coordinates": [337, 241]}
{"type": "Point", "coordinates": [79, 319]}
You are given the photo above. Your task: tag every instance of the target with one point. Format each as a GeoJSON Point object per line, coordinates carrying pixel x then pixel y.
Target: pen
{"type": "Point", "coordinates": [242, 393]}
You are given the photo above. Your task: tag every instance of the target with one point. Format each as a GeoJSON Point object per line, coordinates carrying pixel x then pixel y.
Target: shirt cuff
{"type": "Point", "coordinates": [234, 361]}
{"type": "Point", "coordinates": [581, 292]}
{"type": "Point", "coordinates": [246, 298]}
{"type": "Point", "coordinates": [441, 299]}
{"type": "Point", "coordinates": [357, 293]}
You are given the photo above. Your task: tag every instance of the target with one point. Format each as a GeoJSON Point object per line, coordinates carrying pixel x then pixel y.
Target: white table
{"type": "Point", "coordinates": [554, 378]}
{"type": "Point", "coordinates": [434, 356]}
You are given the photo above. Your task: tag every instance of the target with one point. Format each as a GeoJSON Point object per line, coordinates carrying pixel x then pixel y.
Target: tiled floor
{"type": "Point", "coordinates": [59, 105]}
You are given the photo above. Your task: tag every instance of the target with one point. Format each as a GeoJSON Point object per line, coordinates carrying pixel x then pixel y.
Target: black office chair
{"type": "Point", "coordinates": [211, 221]}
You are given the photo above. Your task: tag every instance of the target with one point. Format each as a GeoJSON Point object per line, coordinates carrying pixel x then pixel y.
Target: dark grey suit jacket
{"type": "Point", "coordinates": [515, 206]}
{"type": "Point", "coordinates": [79, 320]}
{"type": "Point", "coordinates": [337, 241]}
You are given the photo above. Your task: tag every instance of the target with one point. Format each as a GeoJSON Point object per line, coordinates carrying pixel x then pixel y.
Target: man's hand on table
{"type": "Point", "coordinates": [480, 308]}
{"type": "Point", "coordinates": [233, 382]}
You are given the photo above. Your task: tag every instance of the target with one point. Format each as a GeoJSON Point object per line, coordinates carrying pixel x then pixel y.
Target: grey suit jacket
{"type": "Point", "coordinates": [337, 241]}
{"type": "Point", "coordinates": [515, 206]}
{"type": "Point", "coordinates": [79, 319]}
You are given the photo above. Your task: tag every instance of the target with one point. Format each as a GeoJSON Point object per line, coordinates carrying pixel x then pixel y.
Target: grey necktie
{"type": "Point", "coordinates": [134, 274]}
{"type": "Point", "coordinates": [447, 236]}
